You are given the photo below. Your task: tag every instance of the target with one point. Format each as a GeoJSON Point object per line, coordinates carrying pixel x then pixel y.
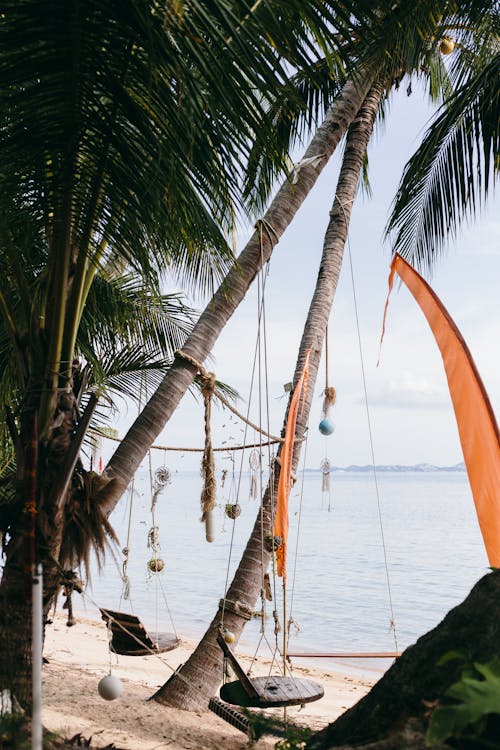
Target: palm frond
{"type": "Point", "coordinates": [450, 175]}
{"type": "Point", "coordinates": [301, 104]}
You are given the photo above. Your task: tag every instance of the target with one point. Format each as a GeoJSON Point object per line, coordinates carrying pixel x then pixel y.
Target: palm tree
{"type": "Point", "coordinates": [201, 670]}
{"type": "Point", "coordinates": [191, 686]}
{"type": "Point", "coordinates": [402, 41]}
{"type": "Point", "coordinates": [125, 130]}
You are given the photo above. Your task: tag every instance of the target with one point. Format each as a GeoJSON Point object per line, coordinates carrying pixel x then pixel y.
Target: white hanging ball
{"type": "Point", "coordinates": [229, 636]}
{"type": "Point", "coordinates": [209, 526]}
{"type": "Point", "coordinates": [110, 687]}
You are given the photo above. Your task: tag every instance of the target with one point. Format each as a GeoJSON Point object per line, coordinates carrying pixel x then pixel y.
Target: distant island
{"type": "Point", "coordinates": [427, 468]}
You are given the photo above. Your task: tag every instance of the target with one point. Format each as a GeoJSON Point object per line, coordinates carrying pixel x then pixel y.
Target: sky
{"type": "Point", "coordinates": [409, 405]}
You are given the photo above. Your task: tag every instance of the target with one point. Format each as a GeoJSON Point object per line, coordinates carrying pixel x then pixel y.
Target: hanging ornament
{"type": "Point", "coordinates": [162, 476]}
{"type": "Point", "coordinates": [446, 45]}
{"type": "Point", "coordinates": [254, 461]}
{"type": "Point", "coordinates": [110, 687]}
{"type": "Point", "coordinates": [232, 510]}
{"type": "Point", "coordinates": [154, 538]}
{"type": "Point", "coordinates": [228, 636]}
{"type": "Point", "coordinates": [156, 565]}
{"type": "Point", "coordinates": [326, 427]}
{"type": "Point", "coordinates": [325, 468]}
{"type": "Point", "coordinates": [223, 477]}
{"type": "Point", "coordinates": [209, 525]}
{"type": "Point", "coordinates": [325, 484]}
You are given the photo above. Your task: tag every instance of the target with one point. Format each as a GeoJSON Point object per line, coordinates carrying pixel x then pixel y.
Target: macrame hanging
{"type": "Point", "coordinates": [325, 481]}
{"type": "Point", "coordinates": [161, 478]}
{"type": "Point", "coordinates": [254, 462]}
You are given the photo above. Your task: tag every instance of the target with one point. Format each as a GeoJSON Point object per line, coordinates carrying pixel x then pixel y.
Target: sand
{"type": "Point", "coordinates": [78, 658]}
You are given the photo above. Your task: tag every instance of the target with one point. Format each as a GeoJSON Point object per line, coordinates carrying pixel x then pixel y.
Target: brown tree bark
{"type": "Point", "coordinates": [44, 472]}
{"type": "Point", "coordinates": [402, 695]}
{"type": "Point", "coordinates": [191, 687]}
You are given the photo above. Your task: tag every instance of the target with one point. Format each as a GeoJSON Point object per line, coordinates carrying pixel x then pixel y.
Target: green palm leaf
{"type": "Point", "coordinates": [450, 175]}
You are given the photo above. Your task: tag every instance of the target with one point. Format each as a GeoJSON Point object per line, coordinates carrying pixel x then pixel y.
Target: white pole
{"type": "Point", "coordinates": [36, 658]}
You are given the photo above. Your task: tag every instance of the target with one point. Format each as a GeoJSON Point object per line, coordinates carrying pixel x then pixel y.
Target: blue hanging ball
{"type": "Point", "coordinates": [326, 427]}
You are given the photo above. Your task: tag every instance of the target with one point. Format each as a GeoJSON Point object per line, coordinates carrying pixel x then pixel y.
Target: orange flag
{"type": "Point", "coordinates": [476, 422]}
{"type": "Point", "coordinates": [284, 483]}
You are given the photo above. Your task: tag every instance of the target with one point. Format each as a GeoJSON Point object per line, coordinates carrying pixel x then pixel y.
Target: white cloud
{"type": "Point", "coordinates": [410, 391]}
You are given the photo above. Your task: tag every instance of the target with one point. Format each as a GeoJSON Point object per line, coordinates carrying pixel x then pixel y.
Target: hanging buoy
{"type": "Point", "coordinates": [446, 45]}
{"type": "Point", "coordinates": [229, 636]}
{"type": "Point", "coordinates": [233, 510]}
{"type": "Point", "coordinates": [326, 427]}
{"type": "Point", "coordinates": [209, 526]}
{"type": "Point", "coordinates": [156, 565]}
{"type": "Point", "coordinates": [110, 687]}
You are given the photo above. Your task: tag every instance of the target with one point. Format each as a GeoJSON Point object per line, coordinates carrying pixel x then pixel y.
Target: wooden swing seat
{"type": "Point", "coordinates": [130, 637]}
{"type": "Point", "coordinates": [266, 692]}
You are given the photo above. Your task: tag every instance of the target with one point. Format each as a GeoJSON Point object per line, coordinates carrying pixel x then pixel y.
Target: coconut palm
{"type": "Point", "coordinates": [415, 42]}
{"type": "Point", "coordinates": [200, 669]}
{"type": "Point", "coordinates": [125, 130]}
{"type": "Point", "coordinates": [191, 686]}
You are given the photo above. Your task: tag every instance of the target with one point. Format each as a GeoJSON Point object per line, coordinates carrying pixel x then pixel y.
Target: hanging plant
{"type": "Point", "coordinates": [156, 565]}
{"type": "Point", "coordinates": [232, 510]}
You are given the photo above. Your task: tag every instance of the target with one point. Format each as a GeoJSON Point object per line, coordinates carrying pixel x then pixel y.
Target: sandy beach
{"type": "Point", "coordinates": [78, 658]}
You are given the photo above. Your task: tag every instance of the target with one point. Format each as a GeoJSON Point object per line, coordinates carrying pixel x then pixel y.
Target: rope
{"type": "Point", "coordinates": [392, 623]}
{"type": "Point", "coordinates": [290, 620]}
{"type": "Point", "coordinates": [207, 462]}
{"type": "Point", "coordinates": [247, 423]}
{"type": "Point", "coordinates": [206, 377]}
{"type": "Point", "coordinates": [329, 394]}
{"type": "Point", "coordinates": [226, 448]}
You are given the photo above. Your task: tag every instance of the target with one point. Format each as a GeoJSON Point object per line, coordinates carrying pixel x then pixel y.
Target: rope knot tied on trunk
{"type": "Point", "coordinates": [207, 463]}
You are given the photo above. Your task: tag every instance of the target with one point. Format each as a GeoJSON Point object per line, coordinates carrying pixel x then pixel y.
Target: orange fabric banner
{"type": "Point", "coordinates": [281, 521]}
{"type": "Point", "coordinates": [477, 426]}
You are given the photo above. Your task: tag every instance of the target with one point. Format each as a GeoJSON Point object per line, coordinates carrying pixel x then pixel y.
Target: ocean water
{"type": "Point", "coordinates": [338, 581]}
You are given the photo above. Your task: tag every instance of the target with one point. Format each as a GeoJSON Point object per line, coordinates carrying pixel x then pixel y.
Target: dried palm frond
{"type": "Point", "coordinates": [86, 526]}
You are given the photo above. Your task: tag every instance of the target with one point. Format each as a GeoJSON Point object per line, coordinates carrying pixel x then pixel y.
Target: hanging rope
{"type": "Point", "coordinates": [329, 394]}
{"type": "Point", "coordinates": [207, 461]}
{"type": "Point", "coordinates": [392, 622]}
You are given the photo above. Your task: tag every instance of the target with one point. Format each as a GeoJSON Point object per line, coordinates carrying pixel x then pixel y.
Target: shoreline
{"type": "Point", "coordinates": [78, 658]}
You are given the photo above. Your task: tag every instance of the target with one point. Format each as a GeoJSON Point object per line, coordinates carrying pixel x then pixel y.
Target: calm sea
{"type": "Point", "coordinates": [338, 586]}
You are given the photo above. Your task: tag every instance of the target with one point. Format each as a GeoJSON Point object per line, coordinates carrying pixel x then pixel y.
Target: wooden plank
{"type": "Point", "coordinates": [110, 614]}
{"type": "Point", "coordinates": [273, 691]}
{"type": "Point", "coordinates": [130, 637]}
{"type": "Point", "coordinates": [238, 669]}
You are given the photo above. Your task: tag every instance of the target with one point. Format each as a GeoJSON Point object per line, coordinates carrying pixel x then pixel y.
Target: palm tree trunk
{"type": "Point", "coordinates": [191, 687]}
{"type": "Point", "coordinates": [129, 454]}
{"type": "Point", "coordinates": [16, 584]}
{"type": "Point", "coordinates": [43, 481]}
